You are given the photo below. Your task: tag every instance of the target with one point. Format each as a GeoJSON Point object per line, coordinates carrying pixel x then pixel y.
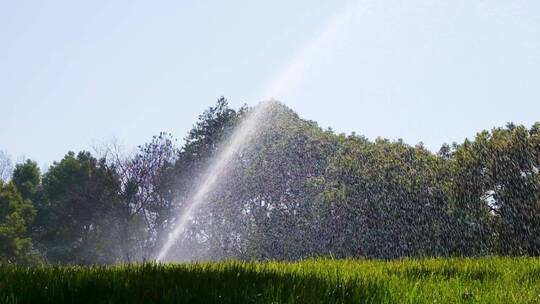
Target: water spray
{"type": "Point", "coordinates": [216, 171]}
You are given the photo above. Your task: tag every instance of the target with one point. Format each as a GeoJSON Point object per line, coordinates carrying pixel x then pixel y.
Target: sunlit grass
{"type": "Point", "coordinates": [489, 280]}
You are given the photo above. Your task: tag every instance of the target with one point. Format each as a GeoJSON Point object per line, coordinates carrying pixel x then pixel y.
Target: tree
{"type": "Point", "coordinates": [180, 177]}
{"type": "Point", "coordinates": [143, 210]}
{"type": "Point", "coordinates": [496, 192]}
{"type": "Point", "coordinates": [512, 174]}
{"type": "Point", "coordinates": [385, 200]}
{"type": "Point", "coordinates": [271, 202]}
{"type": "Point", "coordinates": [262, 206]}
{"type": "Point", "coordinates": [15, 216]}
{"type": "Point", "coordinates": [76, 217]}
{"type": "Point", "coordinates": [27, 178]}
{"type": "Point", "coordinates": [156, 181]}
{"type": "Point", "coordinates": [473, 230]}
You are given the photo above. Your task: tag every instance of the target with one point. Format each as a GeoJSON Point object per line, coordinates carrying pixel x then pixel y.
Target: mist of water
{"type": "Point", "coordinates": [217, 170]}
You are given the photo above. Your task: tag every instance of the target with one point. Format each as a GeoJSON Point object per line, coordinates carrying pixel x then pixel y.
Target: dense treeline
{"type": "Point", "coordinates": [297, 191]}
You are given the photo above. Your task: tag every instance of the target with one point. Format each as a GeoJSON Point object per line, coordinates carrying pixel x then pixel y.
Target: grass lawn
{"type": "Point", "coordinates": [487, 280]}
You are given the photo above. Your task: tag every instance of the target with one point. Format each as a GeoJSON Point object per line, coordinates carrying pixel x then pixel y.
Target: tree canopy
{"type": "Point", "coordinates": [295, 191]}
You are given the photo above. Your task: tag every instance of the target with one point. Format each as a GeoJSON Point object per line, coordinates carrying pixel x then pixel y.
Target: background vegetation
{"type": "Point", "coordinates": [299, 191]}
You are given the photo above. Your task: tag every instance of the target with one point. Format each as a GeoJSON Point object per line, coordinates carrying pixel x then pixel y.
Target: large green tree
{"type": "Point", "coordinates": [77, 213]}
{"type": "Point", "coordinates": [498, 189]}
{"type": "Point", "coordinates": [270, 188]}
{"type": "Point", "coordinates": [263, 206]}
{"type": "Point", "coordinates": [385, 200]}
{"type": "Point", "coordinates": [15, 216]}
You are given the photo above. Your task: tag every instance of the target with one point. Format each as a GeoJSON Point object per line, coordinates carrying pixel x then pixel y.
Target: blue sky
{"type": "Point", "coordinates": [74, 73]}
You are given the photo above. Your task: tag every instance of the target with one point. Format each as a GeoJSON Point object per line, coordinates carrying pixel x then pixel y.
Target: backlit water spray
{"type": "Point", "coordinates": [335, 30]}
{"type": "Point", "coordinates": [217, 170]}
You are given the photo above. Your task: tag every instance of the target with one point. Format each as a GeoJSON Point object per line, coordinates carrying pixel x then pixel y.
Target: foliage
{"type": "Point", "coordinates": [385, 200]}
{"type": "Point", "coordinates": [27, 178]}
{"type": "Point", "coordinates": [80, 194]}
{"type": "Point", "coordinates": [295, 191]}
{"type": "Point", "coordinates": [15, 216]}
{"type": "Point", "coordinates": [497, 187]}
{"type": "Point", "coordinates": [145, 208]}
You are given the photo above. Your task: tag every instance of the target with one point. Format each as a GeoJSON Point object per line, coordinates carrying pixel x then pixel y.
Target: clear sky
{"type": "Point", "coordinates": [73, 73]}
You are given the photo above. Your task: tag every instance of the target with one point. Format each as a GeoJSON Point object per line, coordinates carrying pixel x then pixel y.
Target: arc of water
{"type": "Point", "coordinates": [216, 171]}
{"type": "Point", "coordinates": [332, 33]}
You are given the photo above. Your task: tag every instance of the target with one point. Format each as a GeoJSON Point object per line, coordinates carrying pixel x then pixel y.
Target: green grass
{"type": "Point", "coordinates": [489, 280]}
